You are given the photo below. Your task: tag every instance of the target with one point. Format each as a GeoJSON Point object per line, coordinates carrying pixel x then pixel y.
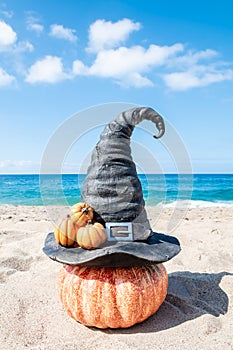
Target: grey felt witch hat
{"type": "Point", "coordinates": [113, 189]}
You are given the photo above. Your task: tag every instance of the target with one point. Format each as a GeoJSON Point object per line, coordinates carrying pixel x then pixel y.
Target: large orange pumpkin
{"type": "Point", "coordinates": [106, 297]}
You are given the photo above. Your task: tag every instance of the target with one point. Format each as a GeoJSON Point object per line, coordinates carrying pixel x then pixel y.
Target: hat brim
{"type": "Point", "coordinates": [156, 249]}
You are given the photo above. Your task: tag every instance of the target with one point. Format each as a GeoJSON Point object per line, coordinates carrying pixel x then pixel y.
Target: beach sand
{"type": "Point", "coordinates": [197, 313]}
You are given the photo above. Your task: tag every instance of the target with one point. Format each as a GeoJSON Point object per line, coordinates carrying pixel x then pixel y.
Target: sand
{"type": "Point", "coordinates": [197, 312]}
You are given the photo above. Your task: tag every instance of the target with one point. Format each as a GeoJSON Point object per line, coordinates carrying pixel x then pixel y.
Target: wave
{"type": "Point", "coordinates": [170, 190]}
{"type": "Point", "coordinates": [196, 204]}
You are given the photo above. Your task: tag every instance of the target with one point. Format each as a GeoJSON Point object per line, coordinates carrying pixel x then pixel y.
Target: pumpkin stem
{"type": "Point", "coordinates": [85, 210]}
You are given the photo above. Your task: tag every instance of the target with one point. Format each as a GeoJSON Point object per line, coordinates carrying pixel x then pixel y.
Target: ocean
{"type": "Point", "coordinates": [200, 189]}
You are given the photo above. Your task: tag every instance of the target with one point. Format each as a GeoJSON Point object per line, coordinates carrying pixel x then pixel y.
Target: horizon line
{"type": "Point", "coordinates": [168, 173]}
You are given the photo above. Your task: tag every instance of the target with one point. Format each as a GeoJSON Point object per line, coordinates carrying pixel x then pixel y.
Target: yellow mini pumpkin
{"type": "Point", "coordinates": [81, 213]}
{"type": "Point", "coordinates": [65, 232]}
{"type": "Point", "coordinates": [91, 236]}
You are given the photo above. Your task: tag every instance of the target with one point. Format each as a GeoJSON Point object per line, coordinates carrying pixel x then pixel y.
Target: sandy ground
{"type": "Point", "coordinates": [197, 313]}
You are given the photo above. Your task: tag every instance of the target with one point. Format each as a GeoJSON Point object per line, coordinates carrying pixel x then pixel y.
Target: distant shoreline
{"type": "Point", "coordinates": [75, 174]}
{"type": "Point", "coordinates": [193, 204]}
{"type": "Point", "coordinates": [203, 190]}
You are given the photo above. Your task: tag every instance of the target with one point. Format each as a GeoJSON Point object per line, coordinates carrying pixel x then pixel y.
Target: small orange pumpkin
{"type": "Point", "coordinates": [65, 232]}
{"type": "Point", "coordinates": [112, 296]}
{"type": "Point", "coordinates": [91, 236]}
{"type": "Point", "coordinates": [81, 213]}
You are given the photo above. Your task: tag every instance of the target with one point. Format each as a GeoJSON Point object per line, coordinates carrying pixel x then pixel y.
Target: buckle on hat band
{"type": "Point", "coordinates": [119, 231]}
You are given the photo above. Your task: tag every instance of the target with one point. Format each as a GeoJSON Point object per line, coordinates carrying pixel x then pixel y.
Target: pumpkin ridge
{"type": "Point", "coordinates": [109, 312]}
{"type": "Point", "coordinates": [78, 217]}
{"type": "Point", "coordinates": [93, 297]}
{"type": "Point", "coordinates": [150, 290]}
{"type": "Point", "coordinates": [76, 294]}
{"type": "Point", "coordinates": [64, 295]}
{"type": "Point", "coordinates": [125, 295]}
{"type": "Point", "coordinates": [142, 299]}
{"type": "Point", "coordinates": [98, 300]}
{"type": "Point", "coordinates": [63, 233]}
{"type": "Point", "coordinates": [84, 302]}
{"type": "Point", "coordinates": [159, 284]}
{"type": "Point", "coordinates": [118, 313]}
{"type": "Point", "coordinates": [69, 232]}
{"type": "Point", "coordinates": [140, 294]}
{"type": "Point", "coordinates": [91, 236]}
{"type": "Point", "coordinates": [81, 290]}
{"type": "Point", "coordinates": [99, 234]}
{"type": "Point", "coordinates": [118, 281]}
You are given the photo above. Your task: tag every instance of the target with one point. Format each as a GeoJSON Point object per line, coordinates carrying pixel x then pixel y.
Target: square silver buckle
{"type": "Point", "coordinates": [121, 235]}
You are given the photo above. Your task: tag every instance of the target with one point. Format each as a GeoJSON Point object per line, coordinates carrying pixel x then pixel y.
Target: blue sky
{"type": "Point", "coordinates": [58, 58]}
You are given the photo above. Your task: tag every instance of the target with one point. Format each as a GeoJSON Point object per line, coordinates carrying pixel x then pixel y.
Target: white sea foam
{"type": "Point", "coordinates": [196, 204]}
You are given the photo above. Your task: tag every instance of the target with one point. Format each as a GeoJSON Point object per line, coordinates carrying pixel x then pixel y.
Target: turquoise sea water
{"type": "Point", "coordinates": [201, 189]}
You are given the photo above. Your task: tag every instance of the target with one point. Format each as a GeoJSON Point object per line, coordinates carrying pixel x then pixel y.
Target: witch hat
{"type": "Point", "coordinates": [113, 189]}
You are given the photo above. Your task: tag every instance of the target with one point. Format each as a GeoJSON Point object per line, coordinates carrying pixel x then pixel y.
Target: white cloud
{"type": "Point", "coordinates": [33, 23]}
{"type": "Point", "coordinates": [23, 46]}
{"type": "Point", "coordinates": [8, 40]}
{"type": "Point", "coordinates": [7, 35]}
{"type": "Point", "coordinates": [5, 78]}
{"type": "Point", "coordinates": [9, 43]}
{"type": "Point", "coordinates": [79, 68]}
{"type": "Point", "coordinates": [126, 65]}
{"type": "Point", "coordinates": [7, 14]}
{"type": "Point", "coordinates": [19, 167]}
{"type": "Point", "coordinates": [197, 76]}
{"type": "Point", "coordinates": [48, 70]}
{"type": "Point", "coordinates": [138, 66]}
{"type": "Point", "coordinates": [196, 69]}
{"type": "Point", "coordinates": [137, 80]}
{"type": "Point", "coordinates": [6, 163]}
{"type": "Point", "coordinates": [106, 34]}
{"type": "Point", "coordinates": [60, 32]}
{"type": "Point", "coordinates": [181, 80]}
{"type": "Point", "coordinates": [192, 58]}
{"type": "Point", "coordinates": [36, 27]}
{"type": "Point", "coordinates": [120, 62]}
{"type": "Point", "coordinates": [132, 66]}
